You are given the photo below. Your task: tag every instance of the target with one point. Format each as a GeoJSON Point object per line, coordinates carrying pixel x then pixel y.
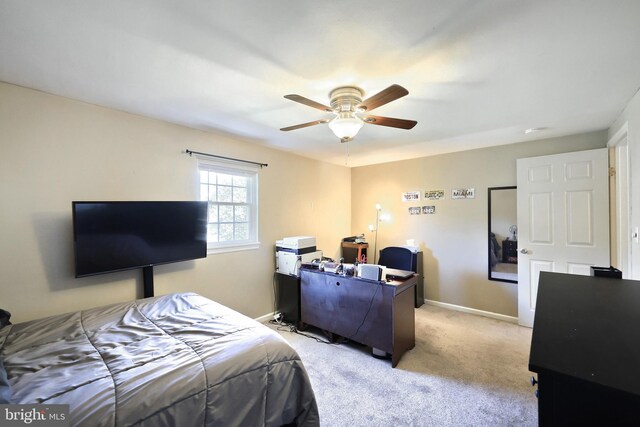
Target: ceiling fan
{"type": "Point", "coordinates": [351, 112]}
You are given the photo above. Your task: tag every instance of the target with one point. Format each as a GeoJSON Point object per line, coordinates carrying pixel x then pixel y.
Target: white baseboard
{"type": "Point", "coordinates": [265, 318]}
{"type": "Point", "coordinates": [475, 311]}
{"type": "Point", "coordinates": [498, 316]}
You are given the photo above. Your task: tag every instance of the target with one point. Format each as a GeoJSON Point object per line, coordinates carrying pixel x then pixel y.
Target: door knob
{"type": "Point", "coordinates": [524, 251]}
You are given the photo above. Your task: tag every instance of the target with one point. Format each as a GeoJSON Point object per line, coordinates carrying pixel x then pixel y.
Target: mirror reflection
{"type": "Point", "coordinates": [503, 234]}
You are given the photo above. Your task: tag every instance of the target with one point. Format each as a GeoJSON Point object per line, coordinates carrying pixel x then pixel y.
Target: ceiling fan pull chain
{"type": "Point", "coordinates": [346, 159]}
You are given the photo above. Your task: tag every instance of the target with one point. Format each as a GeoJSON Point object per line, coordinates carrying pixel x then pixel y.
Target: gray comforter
{"type": "Point", "coordinates": [173, 360]}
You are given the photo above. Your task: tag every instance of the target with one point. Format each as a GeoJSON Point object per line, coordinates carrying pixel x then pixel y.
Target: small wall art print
{"type": "Point", "coordinates": [428, 210]}
{"type": "Point", "coordinates": [411, 196]}
{"type": "Point", "coordinates": [434, 194]}
{"type": "Point", "coordinates": [463, 193]}
{"type": "Point", "coordinates": [415, 210]}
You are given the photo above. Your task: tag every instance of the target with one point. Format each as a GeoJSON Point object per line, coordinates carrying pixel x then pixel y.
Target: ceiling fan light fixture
{"type": "Point", "coordinates": [346, 125]}
{"type": "Point", "coordinates": [349, 108]}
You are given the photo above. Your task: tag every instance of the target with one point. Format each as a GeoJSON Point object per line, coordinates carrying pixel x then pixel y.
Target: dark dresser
{"type": "Point", "coordinates": [585, 349]}
{"type": "Point", "coordinates": [510, 251]}
{"type": "Point", "coordinates": [378, 314]}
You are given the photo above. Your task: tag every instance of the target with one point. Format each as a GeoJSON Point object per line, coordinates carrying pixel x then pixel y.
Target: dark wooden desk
{"type": "Point", "coordinates": [585, 348]}
{"type": "Point", "coordinates": [377, 314]}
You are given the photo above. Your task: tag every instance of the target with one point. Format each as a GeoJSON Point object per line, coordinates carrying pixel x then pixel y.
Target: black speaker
{"type": "Point", "coordinates": [288, 297]}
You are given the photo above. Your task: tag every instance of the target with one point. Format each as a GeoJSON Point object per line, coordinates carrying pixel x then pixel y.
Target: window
{"type": "Point", "coordinates": [232, 193]}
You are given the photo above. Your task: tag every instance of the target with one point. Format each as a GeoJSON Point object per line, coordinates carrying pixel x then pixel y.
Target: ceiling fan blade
{"type": "Point", "coordinates": [389, 94]}
{"type": "Point", "coordinates": [308, 102]}
{"type": "Point", "coordinates": [390, 121]}
{"type": "Point", "coordinates": [304, 125]}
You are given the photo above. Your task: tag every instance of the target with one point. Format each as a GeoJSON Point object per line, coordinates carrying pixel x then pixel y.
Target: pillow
{"type": "Point", "coordinates": [5, 388]}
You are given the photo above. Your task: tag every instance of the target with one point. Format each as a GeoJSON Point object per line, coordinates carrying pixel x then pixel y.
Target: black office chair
{"type": "Point", "coordinates": [396, 257]}
{"type": "Point", "coordinates": [404, 259]}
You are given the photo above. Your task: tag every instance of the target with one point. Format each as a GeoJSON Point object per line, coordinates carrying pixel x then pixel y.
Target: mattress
{"type": "Point", "coordinates": [173, 360]}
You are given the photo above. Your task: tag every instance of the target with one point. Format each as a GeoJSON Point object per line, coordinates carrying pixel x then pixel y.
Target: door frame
{"type": "Point", "coordinates": [622, 202]}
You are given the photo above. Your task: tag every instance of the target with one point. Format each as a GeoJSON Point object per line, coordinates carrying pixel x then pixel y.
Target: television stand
{"type": "Point", "coordinates": [147, 281]}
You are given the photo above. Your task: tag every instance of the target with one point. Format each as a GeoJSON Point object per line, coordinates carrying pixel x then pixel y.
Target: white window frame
{"type": "Point", "coordinates": [250, 172]}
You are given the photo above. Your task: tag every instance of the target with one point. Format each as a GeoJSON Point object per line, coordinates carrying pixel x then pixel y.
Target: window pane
{"type": "Point", "coordinates": [226, 232]}
{"type": "Point", "coordinates": [226, 213]}
{"type": "Point", "coordinates": [242, 231]}
{"type": "Point", "coordinates": [213, 212]}
{"type": "Point", "coordinates": [239, 195]}
{"type": "Point", "coordinates": [232, 210]}
{"type": "Point", "coordinates": [212, 233]}
{"type": "Point", "coordinates": [224, 194]}
{"type": "Point", "coordinates": [241, 214]}
{"type": "Point", "coordinates": [239, 181]}
{"type": "Point", "coordinates": [212, 193]}
{"type": "Point", "coordinates": [225, 179]}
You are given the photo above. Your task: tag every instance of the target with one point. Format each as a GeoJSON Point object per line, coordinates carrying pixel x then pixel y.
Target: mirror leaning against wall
{"type": "Point", "coordinates": [503, 234]}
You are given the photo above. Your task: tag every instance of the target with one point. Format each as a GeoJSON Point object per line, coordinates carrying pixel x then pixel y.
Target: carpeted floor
{"type": "Point", "coordinates": [465, 370]}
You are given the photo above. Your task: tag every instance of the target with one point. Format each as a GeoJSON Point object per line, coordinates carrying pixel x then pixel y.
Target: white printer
{"type": "Point", "coordinates": [291, 252]}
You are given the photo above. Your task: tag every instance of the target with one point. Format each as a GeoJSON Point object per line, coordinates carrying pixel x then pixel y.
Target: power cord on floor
{"type": "Point", "coordinates": [274, 282]}
{"type": "Point", "coordinates": [290, 327]}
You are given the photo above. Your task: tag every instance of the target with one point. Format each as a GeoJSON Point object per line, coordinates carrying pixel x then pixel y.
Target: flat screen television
{"type": "Point", "coordinates": [115, 236]}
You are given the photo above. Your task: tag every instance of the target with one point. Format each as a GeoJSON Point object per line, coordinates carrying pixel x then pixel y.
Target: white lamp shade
{"type": "Point", "coordinates": [345, 127]}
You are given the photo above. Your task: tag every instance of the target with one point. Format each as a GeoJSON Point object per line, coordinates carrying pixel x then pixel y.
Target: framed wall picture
{"type": "Point", "coordinates": [415, 210]}
{"type": "Point", "coordinates": [434, 194]}
{"type": "Point", "coordinates": [428, 210]}
{"type": "Point", "coordinates": [411, 196]}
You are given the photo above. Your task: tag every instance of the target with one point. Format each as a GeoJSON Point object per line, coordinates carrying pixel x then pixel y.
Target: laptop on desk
{"type": "Point", "coordinates": [395, 274]}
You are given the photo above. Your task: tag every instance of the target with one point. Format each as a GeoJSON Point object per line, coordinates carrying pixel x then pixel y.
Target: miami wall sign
{"type": "Point", "coordinates": [463, 193]}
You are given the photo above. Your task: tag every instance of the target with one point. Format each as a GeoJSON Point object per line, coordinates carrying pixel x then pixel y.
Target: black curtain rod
{"type": "Point", "coordinates": [189, 152]}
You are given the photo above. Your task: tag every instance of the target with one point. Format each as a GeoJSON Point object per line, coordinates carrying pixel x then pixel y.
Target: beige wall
{"type": "Point", "coordinates": [630, 118]}
{"type": "Point", "coordinates": [55, 150]}
{"type": "Point", "coordinates": [454, 240]}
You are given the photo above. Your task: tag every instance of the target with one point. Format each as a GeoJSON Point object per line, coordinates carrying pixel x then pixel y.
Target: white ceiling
{"type": "Point", "coordinates": [478, 72]}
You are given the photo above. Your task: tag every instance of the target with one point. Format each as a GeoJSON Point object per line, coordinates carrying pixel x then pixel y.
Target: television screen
{"type": "Point", "coordinates": [113, 236]}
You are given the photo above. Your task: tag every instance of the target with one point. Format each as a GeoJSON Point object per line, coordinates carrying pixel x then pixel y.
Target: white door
{"type": "Point", "coordinates": [563, 219]}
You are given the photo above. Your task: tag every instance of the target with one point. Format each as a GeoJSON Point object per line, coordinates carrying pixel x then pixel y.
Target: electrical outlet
{"type": "Point", "coordinates": [277, 316]}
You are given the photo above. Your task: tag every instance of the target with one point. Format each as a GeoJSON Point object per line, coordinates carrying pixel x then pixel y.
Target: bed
{"type": "Point", "coordinates": [173, 360]}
